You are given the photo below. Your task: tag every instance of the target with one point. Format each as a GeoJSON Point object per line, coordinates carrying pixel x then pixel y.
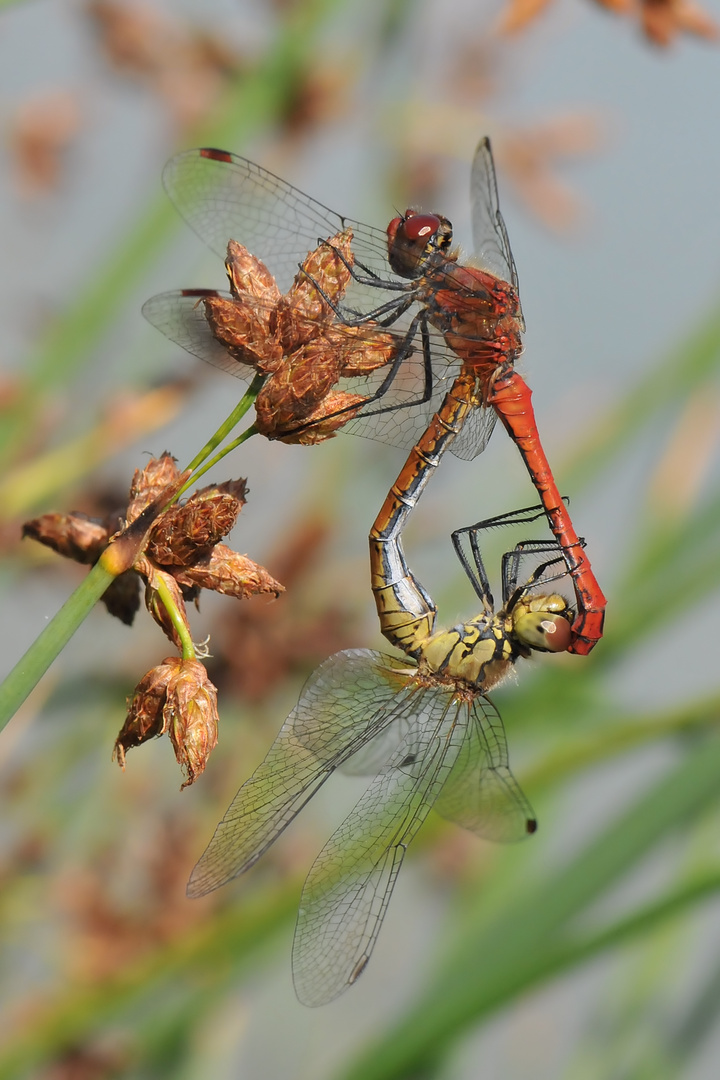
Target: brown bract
{"type": "Point", "coordinates": [83, 539]}
{"type": "Point", "coordinates": [296, 340]}
{"type": "Point", "coordinates": [178, 697]}
{"type": "Point", "coordinates": [76, 536]}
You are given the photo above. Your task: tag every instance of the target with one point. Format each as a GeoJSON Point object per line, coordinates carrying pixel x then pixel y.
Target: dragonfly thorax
{"type": "Point", "coordinates": [415, 240]}
{"type": "Point", "coordinates": [480, 652]}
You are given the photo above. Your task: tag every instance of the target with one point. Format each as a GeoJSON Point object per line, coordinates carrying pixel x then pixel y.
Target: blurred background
{"type": "Point", "coordinates": [593, 950]}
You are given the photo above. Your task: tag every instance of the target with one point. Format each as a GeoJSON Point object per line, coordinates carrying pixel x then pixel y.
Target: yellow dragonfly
{"type": "Point", "coordinates": [421, 725]}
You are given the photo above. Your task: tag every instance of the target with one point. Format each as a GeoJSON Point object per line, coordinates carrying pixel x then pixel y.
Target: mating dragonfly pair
{"type": "Point", "coordinates": [385, 334]}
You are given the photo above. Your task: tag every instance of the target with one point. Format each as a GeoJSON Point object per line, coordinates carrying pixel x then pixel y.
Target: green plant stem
{"type": "Point", "coordinates": [32, 666]}
{"type": "Point", "coordinates": [166, 598]}
{"type": "Point", "coordinates": [247, 434]}
{"type": "Point", "coordinates": [225, 428]}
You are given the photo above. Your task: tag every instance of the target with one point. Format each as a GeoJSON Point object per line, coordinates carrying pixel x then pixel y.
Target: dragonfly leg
{"type": "Point", "coordinates": [511, 562]}
{"type": "Point", "coordinates": [406, 349]}
{"type": "Point", "coordinates": [396, 307]}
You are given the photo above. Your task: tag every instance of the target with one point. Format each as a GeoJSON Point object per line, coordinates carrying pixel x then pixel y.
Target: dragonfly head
{"type": "Point", "coordinates": [543, 623]}
{"type": "Point", "coordinates": [414, 238]}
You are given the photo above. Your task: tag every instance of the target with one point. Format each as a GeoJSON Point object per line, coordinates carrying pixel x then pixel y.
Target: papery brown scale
{"type": "Point", "coordinates": [249, 277]}
{"type": "Point", "coordinates": [150, 482]}
{"type": "Point", "coordinates": [236, 488]}
{"type": "Point", "coordinates": [244, 330]}
{"type": "Point", "coordinates": [76, 536]}
{"type": "Point", "coordinates": [145, 718]}
{"type": "Point", "coordinates": [185, 532]}
{"type": "Point", "coordinates": [191, 716]}
{"type": "Point", "coordinates": [337, 407]}
{"type": "Point", "coordinates": [226, 571]}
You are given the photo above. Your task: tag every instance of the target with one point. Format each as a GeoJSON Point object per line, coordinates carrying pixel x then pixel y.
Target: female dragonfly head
{"type": "Point", "coordinates": [542, 622]}
{"type": "Point", "coordinates": [534, 618]}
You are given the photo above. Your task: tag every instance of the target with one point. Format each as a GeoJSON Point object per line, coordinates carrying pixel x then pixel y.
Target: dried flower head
{"type": "Point", "coordinates": [178, 697]}
{"type": "Point", "coordinates": [186, 532]}
{"type": "Point", "coordinates": [192, 716]}
{"type": "Point", "coordinates": [182, 552]}
{"type": "Point", "coordinates": [296, 340]}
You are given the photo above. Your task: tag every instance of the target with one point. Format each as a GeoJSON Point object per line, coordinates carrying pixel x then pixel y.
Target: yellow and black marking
{"type": "Point", "coordinates": [476, 654]}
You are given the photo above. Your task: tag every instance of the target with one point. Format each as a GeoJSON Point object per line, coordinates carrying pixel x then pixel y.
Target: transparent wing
{"type": "Point", "coordinates": [347, 701]}
{"type": "Point", "coordinates": [350, 884]}
{"type": "Point", "coordinates": [475, 434]}
{"type": "Point", "coordinates": [481, 793]}
{"type": "Point", "coordinates": [223, 196]}
{"type": "Point", "coordinates": [490, 238]}
{"type": "Point", "coordinates": [180, 316]}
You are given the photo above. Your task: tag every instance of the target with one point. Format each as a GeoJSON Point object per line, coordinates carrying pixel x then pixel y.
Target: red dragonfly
{"type": "Point", "coordinates": [450, 316]}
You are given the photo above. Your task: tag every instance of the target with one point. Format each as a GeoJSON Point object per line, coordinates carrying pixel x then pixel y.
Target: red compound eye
{"type": "Point", "coordinates": [420, 226]}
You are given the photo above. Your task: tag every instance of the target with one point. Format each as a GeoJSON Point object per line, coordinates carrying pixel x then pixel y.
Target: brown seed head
{"type": "Point", "coordinates": [184, 533]}
{"type": "Point", "coordinates": [191, 716]}
{"type": "Point", "coordinates": [150, 482]}
{"type": "Point", "coordinates": [245, 331]}
{"type": "Point", "coordinates": [178, 697]}
{"type": "Point", "coordinates": [145, 718]}
{"type": "Point", "coordinates": [228, 572]}
{"type": "Point", "coordinates": [76, 536]}
{"type": "Point", "coordinates": [338, 408]}
{"type": "Point", "coordinates": [250, 278]}
{"type": "Point", "coordinates": [304, 309]}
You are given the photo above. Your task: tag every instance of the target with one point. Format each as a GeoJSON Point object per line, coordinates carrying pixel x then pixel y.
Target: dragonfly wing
{"type": "Point", "coordinates": [180, 316]}
{"type": "Point", "coordinates": [490, 238]}
{"type": "Point", "coordinates": [350, 884]}
{"type": "Point", "coordinates": [476, 431]}
{"type": "Point", "coordinates": [400, 416]}
{"type": "Point", "coordinates": [344, 703]}
{"type": "Point", "coordinates": [481, 793]}
{"type": "Point", "coordinates": [223, 196]}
